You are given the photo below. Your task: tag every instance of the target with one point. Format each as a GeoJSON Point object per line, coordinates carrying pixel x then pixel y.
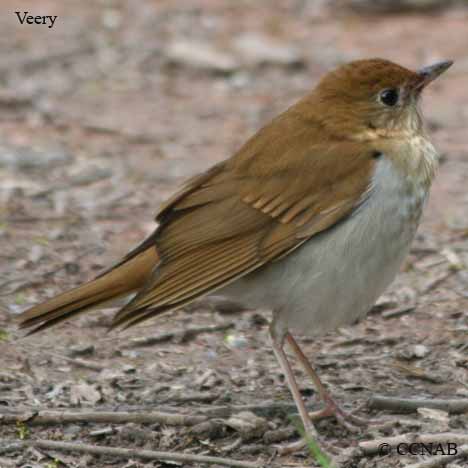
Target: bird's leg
{"type": "Point", "coordinates": [310, 433]}
{"type": "Point", "coordinates": [332, 408]}
{"type": "Point", "coordinates": [277, 344]}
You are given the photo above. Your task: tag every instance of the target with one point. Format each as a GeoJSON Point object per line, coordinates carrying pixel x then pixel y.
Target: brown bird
{"type": "Point", "coordinates": [311, 218]}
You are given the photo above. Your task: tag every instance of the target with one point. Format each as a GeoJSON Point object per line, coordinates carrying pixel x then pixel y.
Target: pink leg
{"type": "Point", "coordinates": [310, 431]}
{"type": "Point", "coordinates": [288, 373]}
{"type": "Point", "coordinates": [331, 407]}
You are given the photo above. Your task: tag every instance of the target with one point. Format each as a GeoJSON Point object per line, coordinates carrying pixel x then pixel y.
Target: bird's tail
{"type": "Point", "coordinates": [125, 278]}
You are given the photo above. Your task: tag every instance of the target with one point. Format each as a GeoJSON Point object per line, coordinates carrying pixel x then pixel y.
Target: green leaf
{"type": "Point", "coordinates": [4, 335]}
{"type": "Point", "coordinates": [20, 299]}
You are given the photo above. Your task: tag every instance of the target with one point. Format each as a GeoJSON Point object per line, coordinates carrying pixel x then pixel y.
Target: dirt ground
{"type": "Point", "coordinates": [101, 118]}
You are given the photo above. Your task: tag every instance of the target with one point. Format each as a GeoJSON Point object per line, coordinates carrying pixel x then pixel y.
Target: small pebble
{"type": "Point", "coordinates": [81, 350]}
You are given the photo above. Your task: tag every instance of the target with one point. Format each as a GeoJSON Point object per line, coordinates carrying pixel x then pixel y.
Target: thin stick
{"type": "Point", "coordinates": [392, 313]}
{"type": "Point", "coordinates": [266, 409]}
{"type": "Point", "coordinates": [372, 447]}
{"type": "Point", "coordinates": [137, 414]}
{"type": "Point", "coordinates": [84, 363]}
{"type": "Point", "coordinates": [443, 460]}
{"type": "Point", "coordinates": [135, 453]}
{"type": "Point", "coordinates": [182, 335]}
{"type": "Point", "coordinates": [62, 417]}
{"type": "Point", "coordinates": [435, 282]}
{"type": "Point", "coordinates": [403, 405]}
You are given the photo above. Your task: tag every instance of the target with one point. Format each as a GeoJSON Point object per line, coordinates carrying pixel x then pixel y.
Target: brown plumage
{"type": "Point", "coordinates": [327, 195]}
{"type": "Point", "coordinates": [118, 282]}
{"type": "Point", "coordinates": [280, 189]}
{"type": "Point", "coordinates": [302, 173]}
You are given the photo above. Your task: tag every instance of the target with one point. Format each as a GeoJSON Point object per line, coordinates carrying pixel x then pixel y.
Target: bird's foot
{"type": "Point", "coordinates": [312, 444]}
{"type": "Point", "coordinates": [348, 420]}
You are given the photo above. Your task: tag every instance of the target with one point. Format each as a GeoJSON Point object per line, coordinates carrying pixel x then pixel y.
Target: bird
{"type": "Point", "coordinates": [311, 218]}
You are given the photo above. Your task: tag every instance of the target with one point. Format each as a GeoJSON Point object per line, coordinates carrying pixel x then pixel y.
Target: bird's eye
{"type": "Point", "coordinates": [389, 97]}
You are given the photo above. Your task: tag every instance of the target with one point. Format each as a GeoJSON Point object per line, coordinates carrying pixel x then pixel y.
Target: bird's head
{"type": "Point", "coordinates": [373, 98]}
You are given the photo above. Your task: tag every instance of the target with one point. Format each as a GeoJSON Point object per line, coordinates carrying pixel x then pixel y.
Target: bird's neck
{"type": "Point", "coordinates": [414, 156]}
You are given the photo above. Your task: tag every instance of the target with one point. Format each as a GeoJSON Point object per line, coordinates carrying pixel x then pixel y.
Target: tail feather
{"type": "Point", "coordinates": [122, 280]}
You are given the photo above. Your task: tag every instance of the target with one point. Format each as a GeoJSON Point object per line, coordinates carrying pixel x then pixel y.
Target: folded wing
{"type": "Point", "coordinates": [249, 210]}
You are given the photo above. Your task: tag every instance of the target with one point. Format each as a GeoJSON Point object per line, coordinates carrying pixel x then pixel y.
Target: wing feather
{"type": "Point", "coordinates": [243, 213]}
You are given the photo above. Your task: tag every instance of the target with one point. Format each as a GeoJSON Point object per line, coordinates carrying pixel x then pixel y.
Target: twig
{"type": "Point", "coordinates": [403, 405]}
{"type": "Point", "coordinates": [103, 432]}
{"type": "Point", "coordinates": [46, 417]}
{"type": "Point", "coordinates": [35, 219]}
{"type": "Point", "coordinates": [141, 415]}
{"type": "Point", "coordinates": [393, 313]}
{"type": "Point", "coordinates": [278, 435]}
{"type": "Point", "coordinates": [78, 362]}
{"type": "Point", "coordinates": [371, 447]}
{"type": "Point", "coordinates": [182, 335]}
{"type": "Point", "coordinates": [195, 397]}
{"type": "Point", "coordinates": [141, 138]}
{"type": "Point", "coordinates": [293, 447]}
{"type": "Point", "coordinates": [417, 372]}
{"type": "Point", "coordinates": [438, 462]}
{"type": "Point", "coordinates": [135, 453]}
{"type": "Point", "coordinates": [435, 282]}
{"type": "Point", "coordinates": [267, 409]}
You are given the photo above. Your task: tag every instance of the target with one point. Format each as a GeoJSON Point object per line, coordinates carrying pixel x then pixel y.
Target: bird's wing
{"type": "Point", "coordinates": [264, 202]}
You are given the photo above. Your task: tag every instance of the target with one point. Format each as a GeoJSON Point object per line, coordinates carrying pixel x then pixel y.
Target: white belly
{"type": "Point", "coordinates": [335, 277]}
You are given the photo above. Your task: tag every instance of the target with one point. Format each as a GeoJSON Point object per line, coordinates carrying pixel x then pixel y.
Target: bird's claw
{"type": "Point", "coordinates": [349, 420]}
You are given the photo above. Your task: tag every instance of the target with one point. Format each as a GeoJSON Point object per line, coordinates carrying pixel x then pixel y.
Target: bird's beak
{"type": "Point", "coordinates": [430, 73]}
